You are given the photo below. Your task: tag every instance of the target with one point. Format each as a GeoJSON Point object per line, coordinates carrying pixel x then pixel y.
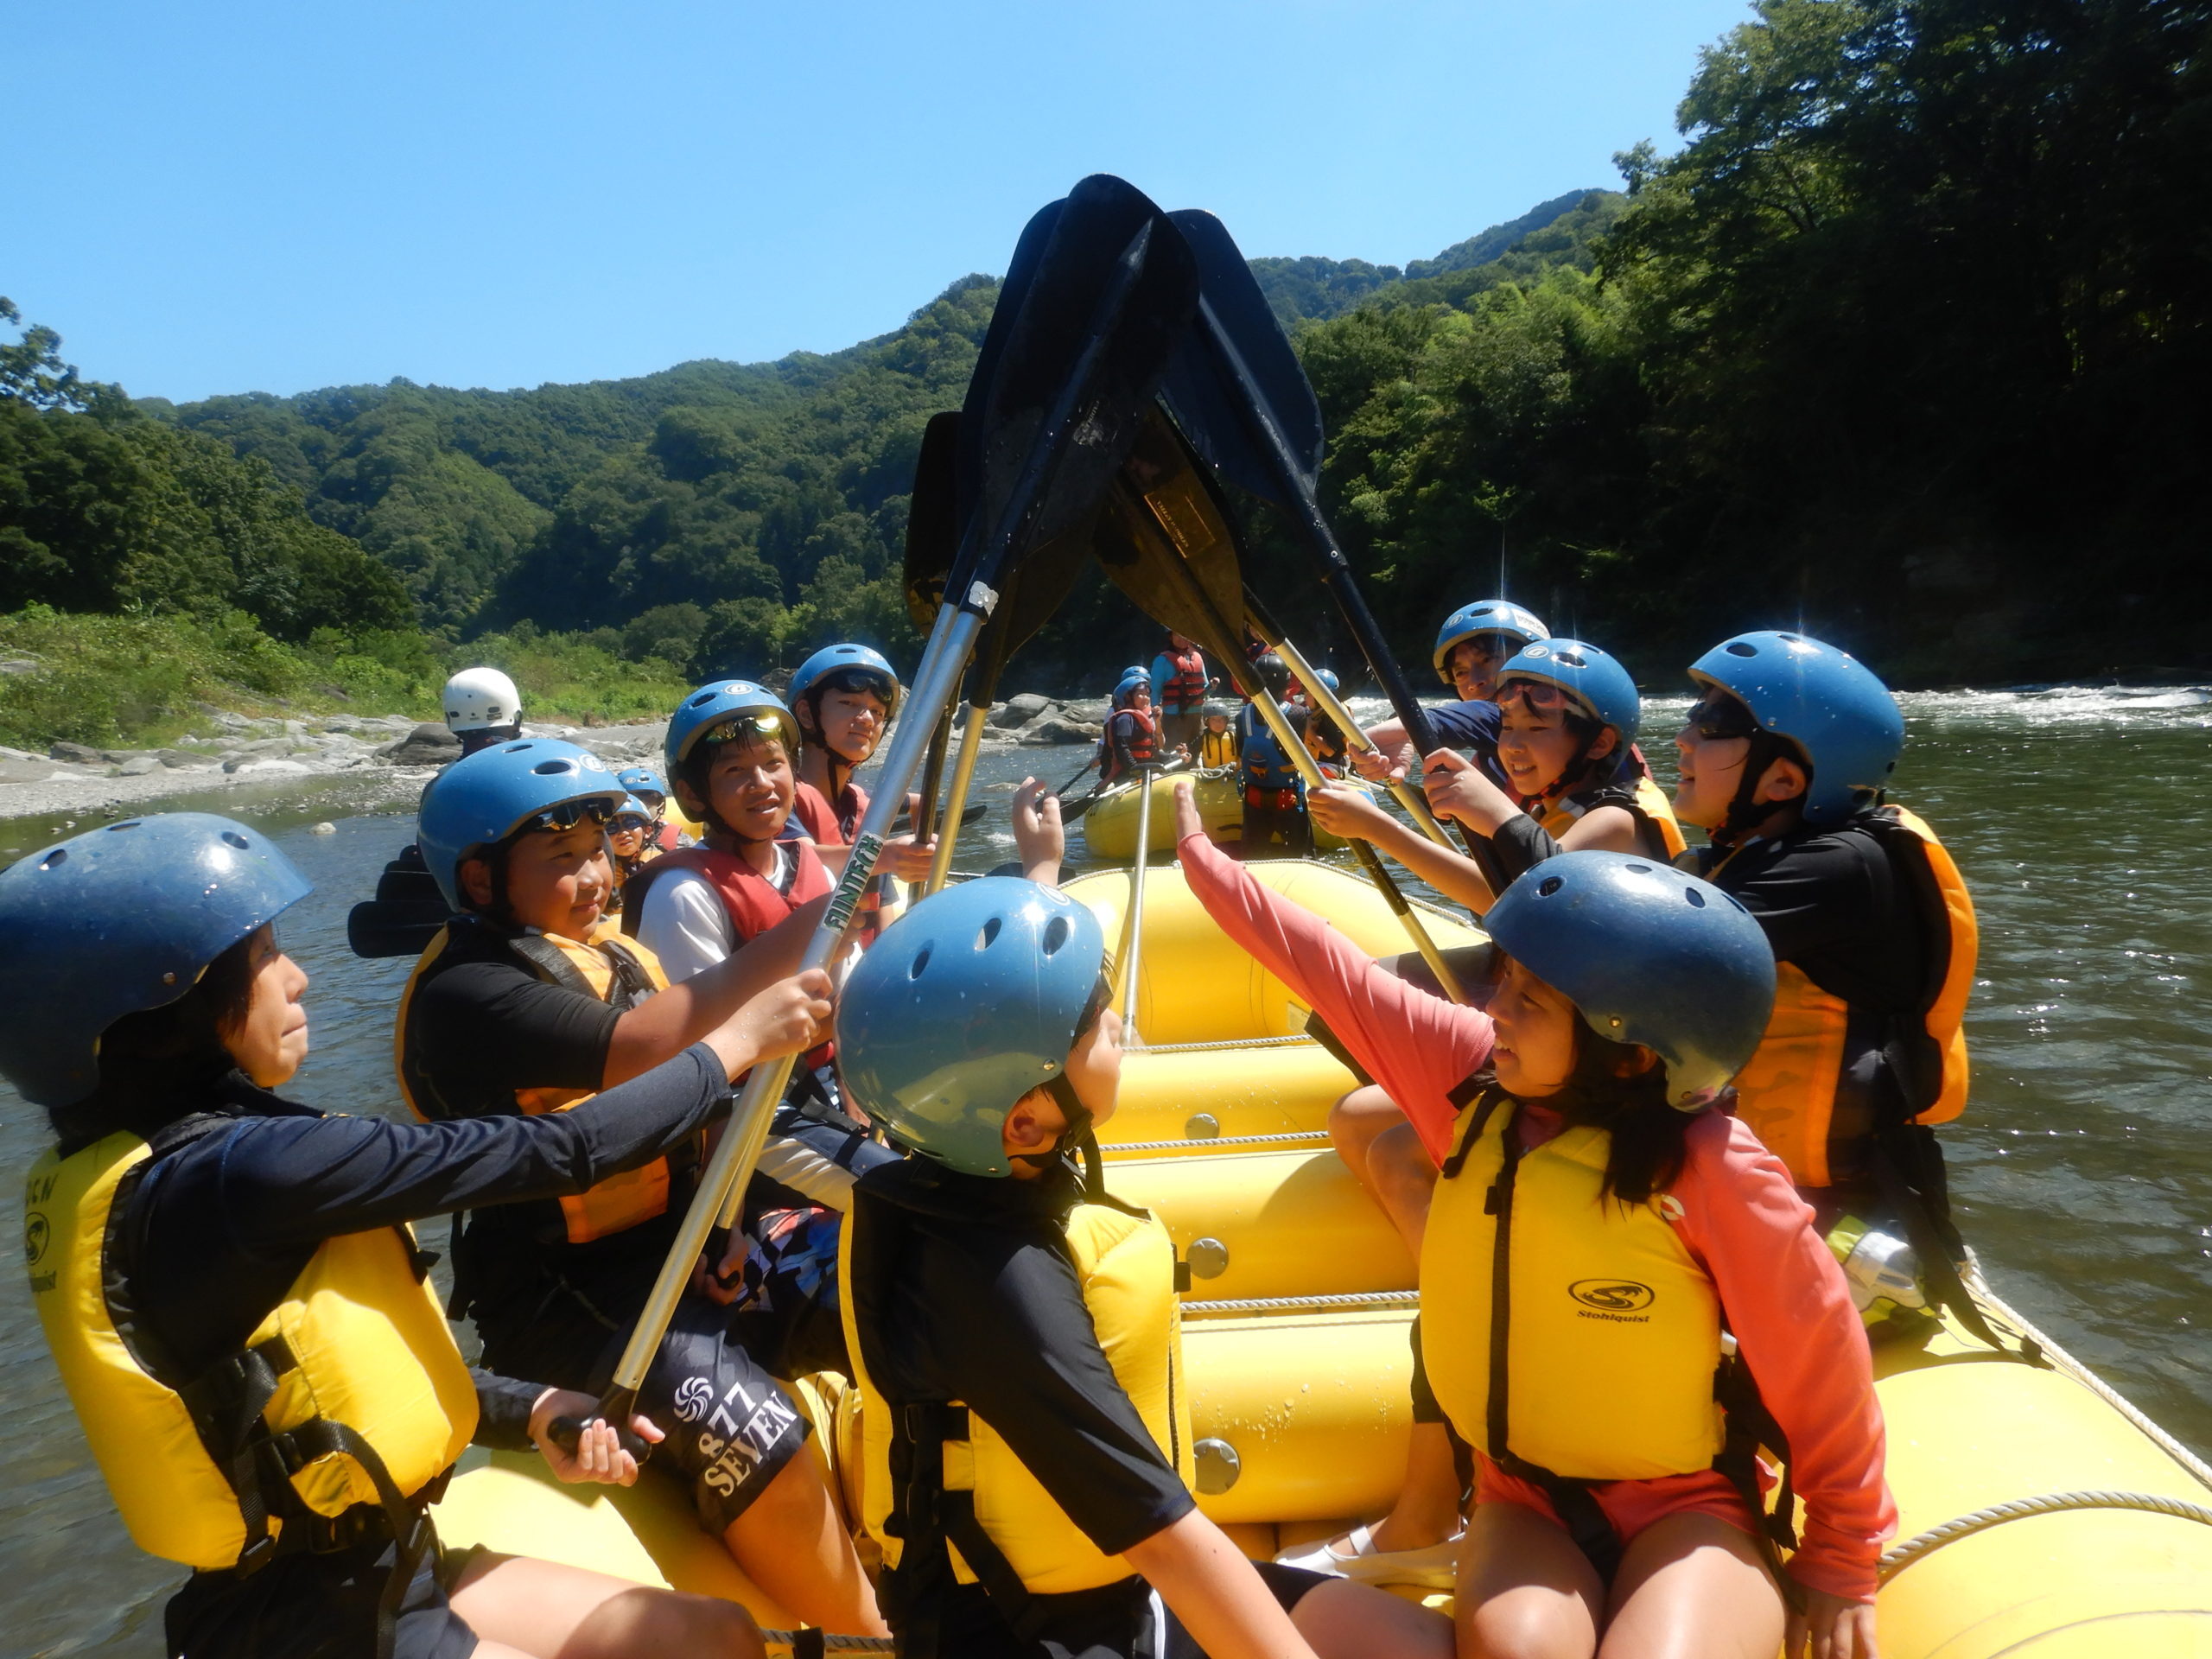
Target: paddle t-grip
{"type": "Point", "coordinates": [617, 1406]}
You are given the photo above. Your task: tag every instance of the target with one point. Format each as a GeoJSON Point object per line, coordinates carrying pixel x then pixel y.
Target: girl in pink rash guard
{"type": "Point", "coordinates": [1609, 1503]}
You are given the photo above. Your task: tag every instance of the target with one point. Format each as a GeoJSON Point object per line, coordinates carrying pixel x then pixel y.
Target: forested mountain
{"type": "Point", "coordinates": [1907, 345]}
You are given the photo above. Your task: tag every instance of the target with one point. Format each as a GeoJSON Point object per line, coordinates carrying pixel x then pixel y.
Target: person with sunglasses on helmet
{"type": "Point", "coordinates": [1025, 1411]}
{"type": "Point", "coordinates": [1784, 760]}
{"type": "Point", "coordinates": [652, 791]}
{"type": "Point", "coordinates": [1602, 1226]}
{"type": "Point", "coordinates": [529, 1002]}
{"type": "Point", "coordinates": [231, 1285]}
{"type": "Point", "coordinates": [1476, 641]}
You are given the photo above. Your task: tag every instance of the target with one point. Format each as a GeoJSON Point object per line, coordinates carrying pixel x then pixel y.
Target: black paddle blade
{"type": "Point", "coordinates": [1202, 391]}
{"type": "Point", "coordinates": [1163, 514]}
{"type": "Point", "coordinates": [1114, 291]}
{"type": "Point", "coordinates": [932, 518]}
{"type": "Point", "coordinates": [1014, 292]}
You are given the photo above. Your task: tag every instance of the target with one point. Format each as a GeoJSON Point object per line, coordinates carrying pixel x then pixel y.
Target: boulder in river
{"type": "Point", "coordinates": [1055, 730]}
{"type": "Point", "coordinates": [1022, 709]}
{"type": "Point", "coordinates": [77, 755]}
{"type": "Point", "coordinates": [429, 745]}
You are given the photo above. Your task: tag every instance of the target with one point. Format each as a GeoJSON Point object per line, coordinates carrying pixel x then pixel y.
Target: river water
{"type": "Point", "coordinates": [2082, 1171]}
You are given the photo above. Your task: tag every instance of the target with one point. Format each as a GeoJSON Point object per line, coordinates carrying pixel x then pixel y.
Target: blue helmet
{"type": "Point", "coordinates": [857, 664]}
{"type": "Point", "coordinates": [642, 781]}
{"type": "Point", "coordinates": [631, 807]}
{"type": "Point", "coordinates": [116, 920]}
{"type": "Point", "coordinates": [723, 702]}
{"type": "Point", "coordinates": [1842, 718]}
{"type": "Point", "coordinates": [482, 799]}
{"type": "Point", "coordinates": [1130, 685]}
{"type": "Point", "coordinates": [1648, 954]}
{"type": "Point", "coordinates": [1484, 616]}
{"type": "Point", "coordinates": [968, 1001]}
{"type": "Point", "coordinates": [1136, 672]}
{"type": "Point", "coordinates": [1592, 677]}
{"type": "Point", "coordinates": [1327, 676]}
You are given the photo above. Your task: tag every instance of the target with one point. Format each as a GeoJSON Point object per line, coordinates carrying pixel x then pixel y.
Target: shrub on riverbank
{"type": "Point", "coordinates": [140, 680]}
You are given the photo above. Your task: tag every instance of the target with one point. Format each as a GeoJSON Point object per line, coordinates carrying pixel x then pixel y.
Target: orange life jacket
{"type": "Point", "coordinates": [1658, 833]}
{"type": "Point", "coordinates": [1788, 1093]}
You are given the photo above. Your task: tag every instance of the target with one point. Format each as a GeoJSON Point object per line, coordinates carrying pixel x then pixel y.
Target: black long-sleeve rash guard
{"type": "Point", "coordinates": [218, 1230]}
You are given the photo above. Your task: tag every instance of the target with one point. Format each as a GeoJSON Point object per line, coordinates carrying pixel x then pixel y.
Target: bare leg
{"type": "Point", "coordinates": [1691, 1586]}
{"type": "Point", "coordinates": [1342, 1620]}
{"type": "Point", "coordinates": [1354, 1121]}
{"type": "Point", "coordinates": [792, 1543]}
{"type": "Point", "coordinates": [1402, 1177]}
{"type": "Point", "coordinates": [1426, 1510]}
{"type": "Point", "coordinates": [518, 1606]}
{"type": "Point", "coordinates": [1525, 1591]}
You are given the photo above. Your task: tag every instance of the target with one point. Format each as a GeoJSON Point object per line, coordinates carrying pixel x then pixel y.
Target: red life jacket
{"type": "Point", "coordinates": [1137, 738]}
{"type": "Point", "coordinates": [753, 901]}
{"type": "Point", "coordinates": [836, 823]}
{"type": "Point", "coordinates": [1187, 689]}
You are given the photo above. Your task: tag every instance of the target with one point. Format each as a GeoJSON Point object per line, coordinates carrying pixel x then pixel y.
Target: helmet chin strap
{"type": "Point", "coordinates": [1075, 1138]}
{"type": "Point", "coordinates": [1746, 812]}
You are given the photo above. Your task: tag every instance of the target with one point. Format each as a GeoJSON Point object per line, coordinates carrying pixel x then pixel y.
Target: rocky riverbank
{"type": "Point", "coordinates": [75, 779]}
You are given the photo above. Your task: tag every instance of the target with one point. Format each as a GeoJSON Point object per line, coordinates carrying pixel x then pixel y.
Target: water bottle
{"type": "Point", "coordinates": [1883, 1271]}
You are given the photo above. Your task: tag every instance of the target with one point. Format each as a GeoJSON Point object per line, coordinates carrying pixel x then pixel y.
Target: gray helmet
{"type": "Point", "coordinates": [1648, 954]}
{"type": "Point", "coordinates": [118, 920]}
{"type": "Point", "coordinates": [967, 1002]}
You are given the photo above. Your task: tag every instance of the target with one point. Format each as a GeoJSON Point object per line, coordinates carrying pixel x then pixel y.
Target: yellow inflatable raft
{"type": "Point", "coordinates": [2041, 1514]}
{"type": "Point", "coordinates": [1110, 826]}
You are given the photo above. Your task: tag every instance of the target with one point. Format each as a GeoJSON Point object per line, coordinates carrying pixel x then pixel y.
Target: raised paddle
{"type": "Point", "coordinates": [1133, 925]}
{"type": "Point", "coordinates": [1238, 393]}
{"type": "Point", "coordinates": [1167, 544]}
{"type": "Point", "coordinates": [1114, 289]}
{"type": "Point", "coordinates": [1070, 811]}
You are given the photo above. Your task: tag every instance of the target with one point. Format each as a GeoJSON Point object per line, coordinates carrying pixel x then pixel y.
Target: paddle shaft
{"type": "Point", "coordinates": [933, 776]}
{"type": "Point", "coordinates": [1135, 931]}
{"type": "Point", "coordinates": [1408, 794]}
{"type": "Point", "coordinates": [1223, 644]}
{"type": "Point", "coordinates": [971, 738]}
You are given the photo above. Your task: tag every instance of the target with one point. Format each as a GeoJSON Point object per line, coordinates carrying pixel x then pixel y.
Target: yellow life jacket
{"type": "Point", "coordinates": [1656, 813]}
{"type": "Point", "coordinates": [1580, 1335]}
{"type": "Point", "coordinates": [1217, 748]}
{"type": "Point", "coordinates": [1125, 1263]}
{"type": "Point", "coordinates": [361, 1393]}
{"type": "Point", "coordinates": [613, 969]}
{"type": "Point", "coordinates": [1788, 1092]}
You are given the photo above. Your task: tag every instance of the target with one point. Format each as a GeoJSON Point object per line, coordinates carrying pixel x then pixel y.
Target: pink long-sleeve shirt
{"type": "Point", "coordinates": [1787, 1300]}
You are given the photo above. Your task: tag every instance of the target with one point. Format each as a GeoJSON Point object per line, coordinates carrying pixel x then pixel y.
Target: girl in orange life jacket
{"type": "Point", "coordinates": [1130, 738]}
{"type": "Point", "coordinates": [1579, 1129]}
{"type": "Point", "coordinates": [530, 1004]}
{"type": "Point", "coordinates": [161, 1015]}
{"type": "Point", "coordinates": [1783, 762]}
{"type": "Point", "coordinates": [843, 697]}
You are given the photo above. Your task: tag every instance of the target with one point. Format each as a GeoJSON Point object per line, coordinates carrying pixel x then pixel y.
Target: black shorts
{"type": "Point", "coordinates": [319, 1607]}
{"type": "Point", "coordinates": [730, 1430]}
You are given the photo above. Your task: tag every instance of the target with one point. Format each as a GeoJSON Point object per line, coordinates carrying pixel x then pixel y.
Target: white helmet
{"type": "Point", "coordinates": [478, 697]}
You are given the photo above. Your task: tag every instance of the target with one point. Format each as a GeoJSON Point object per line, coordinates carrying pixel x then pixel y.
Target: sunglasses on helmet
{"type": "Point", "coordinates": [1538, 697]}
{"type": "Point", "coordinates": [570, 814]}
{"type": "Point", "coordinates": [739, 727]}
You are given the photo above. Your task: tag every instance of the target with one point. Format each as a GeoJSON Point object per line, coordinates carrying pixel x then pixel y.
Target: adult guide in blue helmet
{"type": "Point", "coordinates": [1576, 1137]}
{"type": "Point", "coordinates": [1785, 759]}
{"type": "Point", "coordinates": [247, 1231]}
{"type": "Point", "coordinates": [1477, 639]}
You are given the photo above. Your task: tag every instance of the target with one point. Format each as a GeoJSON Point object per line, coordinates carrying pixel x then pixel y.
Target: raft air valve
{"type": "Point", "coordinates": [1218, 1467]}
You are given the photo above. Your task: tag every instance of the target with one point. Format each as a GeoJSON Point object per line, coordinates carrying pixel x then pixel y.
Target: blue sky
{"type": "Point", "coordinates": [275, 197]}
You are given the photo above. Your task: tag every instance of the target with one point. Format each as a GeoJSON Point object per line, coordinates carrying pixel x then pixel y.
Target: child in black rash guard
{"type": "Point", "coordinates": [1010, 1319]}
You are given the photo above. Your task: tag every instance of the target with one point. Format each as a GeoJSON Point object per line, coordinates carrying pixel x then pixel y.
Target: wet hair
{"type": "Point", "coordinates": [155, 1064]}
{"type": "Point", "coordinates": [1607, 1092]}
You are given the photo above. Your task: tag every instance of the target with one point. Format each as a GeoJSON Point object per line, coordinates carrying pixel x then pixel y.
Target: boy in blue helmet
{"type": "Point", "coordinates": [529, 1003]}
{"type": "Point", "coordinates": [1784, 762]}
{"type": "Point", "coordinates": [1003, 1312]}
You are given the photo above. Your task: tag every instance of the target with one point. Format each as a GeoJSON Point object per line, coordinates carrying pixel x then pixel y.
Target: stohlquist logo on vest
{"type": "Point", "coordinates": [1622, 1300]}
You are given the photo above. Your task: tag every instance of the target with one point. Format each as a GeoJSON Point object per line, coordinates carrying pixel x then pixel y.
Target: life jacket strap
{"type": "Point", "coordinates": [930, 1519]}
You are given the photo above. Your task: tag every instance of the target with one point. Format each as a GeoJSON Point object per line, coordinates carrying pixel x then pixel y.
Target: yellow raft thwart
{"type": "Point", "coordinates": [2013, 1480]}
{"type": "Point", "coordinates": [1109, 829]}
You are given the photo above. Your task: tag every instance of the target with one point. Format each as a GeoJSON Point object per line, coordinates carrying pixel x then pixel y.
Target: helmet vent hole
{"type": "Point", "coordinates": [1637, 869]}
{"type": "Point", "coordinates": [1572, 658]}
{"type": "Point", "coordinates": [54, 860]}
{"type": "Point", "coordinates": [1696, 899]}
{"type": "Point", "coordinates": [1742, 648]}
{"type": "Point", "coordinates": [988, 935]}
{"type": "Point", "coordinates": [1548, 886]}
{"type": "Point", "coordinates": [553, 768]}
{"type": "Point", "coordinates": [1056, 935]}
{"type": "Point", "coordinates": [920, 962]}
{"type": "Point", "coordinates": [128, 824]}
{"type": "Point", "coordinates": [1794, 639]}
{"type": "Point", "coordinates": [236, 840]}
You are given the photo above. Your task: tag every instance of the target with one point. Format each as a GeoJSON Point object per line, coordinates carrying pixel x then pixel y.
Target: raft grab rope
{"type": "Point", "coordinates": [1301, 1137]}
{"type": "Point", "coordinates": [1283, 1304]}
{"type": "Point", "coordinates": [805, 1644]}
{"type": "Point", "coordinates": [2021, 1508]}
